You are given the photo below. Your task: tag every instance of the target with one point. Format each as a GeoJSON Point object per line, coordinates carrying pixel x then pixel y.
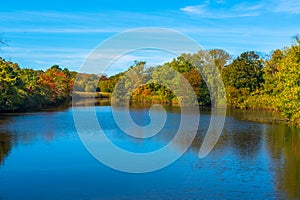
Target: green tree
{"type": "Point", "coordinates": [272, 68]}
{"type": "Point", "coordinates": [288, 82]}
{"type": "Point", "coordinates": [34, 96]}
{"type": "Point", "coordinates": [220, 57]}
{"type": "Point", "coordinates": [11, 93]}
{"type": "Point", "coordinates": [242, 77]}
{"type": "Point", "coordinates": [108, 84]}
{"type": "Point", "coordinates": [206, 64]}
{"type": "Point", "coordinates": [246, 71]}
{"type": "Point", "coordinates": [132, 79]}
{"type": "Point", "coordinates": [181, 64]}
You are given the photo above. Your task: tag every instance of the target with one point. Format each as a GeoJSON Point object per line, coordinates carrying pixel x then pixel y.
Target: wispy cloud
{"type": "Point", "coordinates": [288, 6]}
{"type": "Point", "coordinates": [246, 7]}
{"type": "Point", "coordinates": [62, 30]}
{"type": "Point", "coordinates": [198, 9]}
{"type": "Point", "coordinates": [243, 9]}
{"type": "Point", "coordinates": [80, 22]}
{"type": "Point", "coordinates": [207, 10]}
{"type": "Point", "coordinates": [47, 38]}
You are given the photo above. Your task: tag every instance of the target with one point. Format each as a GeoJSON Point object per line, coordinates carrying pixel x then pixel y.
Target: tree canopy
{"type": "Point", "coordinates": [250, 81]}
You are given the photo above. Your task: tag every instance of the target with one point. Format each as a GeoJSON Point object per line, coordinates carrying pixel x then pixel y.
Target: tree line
{"type": "Point", "coordinates": [251, 82]}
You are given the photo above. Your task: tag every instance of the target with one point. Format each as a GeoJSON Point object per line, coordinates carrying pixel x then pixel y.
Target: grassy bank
{"type": "Point", "coordinates": [97, 95]}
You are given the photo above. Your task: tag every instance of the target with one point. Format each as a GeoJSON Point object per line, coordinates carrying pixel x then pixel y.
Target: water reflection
{"type": "Point", "coordinates": [6, 143]}
{"type": "Point", "coordinates": [246, 139]}
{"type": "Point", "coordinates": [262, 116]}
{"type": "Point", "coordinates": [32, 128]}
{"type": "Point", "coordinates": [284, 146]}
{"type": "Point", "coordinates": [91, 102]}
{"type": "Point", "coordinates": [250, 160]}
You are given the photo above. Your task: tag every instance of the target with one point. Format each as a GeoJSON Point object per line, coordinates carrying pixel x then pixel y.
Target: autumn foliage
{"type": "Point", "coordinates": [251, 82]}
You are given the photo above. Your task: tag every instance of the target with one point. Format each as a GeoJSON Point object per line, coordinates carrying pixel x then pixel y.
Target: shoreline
{"type": "Point", "coordinates": [100, 99]}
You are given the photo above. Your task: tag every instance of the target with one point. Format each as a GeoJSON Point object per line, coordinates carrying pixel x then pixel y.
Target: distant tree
{"type": "Point", "coordinates": [246, 71]}
{"type": "Point", "coordinates": [220, 57]}
{"type": "Point", "coordinates": [199, 86]}
{"type": "Point", "coordinates": [242, 77]}
{"type": "Point", "coordinates": [86, 82]}
{"type": "Point", "coordinates": [207, 63]}
{"type": "Point", "coordinates": [134, 77]}
{"type": "Point", "coordinates": [34, 95]}
{"type": "Point", "coordinates": [181, 64]}
{"type": "Point", "coordinates": [56, 67]}
{"type": "Point", "coordinates": [108, 84]}
{"type": "Point", "coordinates": [55, 85]}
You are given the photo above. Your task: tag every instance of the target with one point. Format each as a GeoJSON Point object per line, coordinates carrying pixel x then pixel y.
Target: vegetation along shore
{"type": "Point", "coordinates": [251, 81]}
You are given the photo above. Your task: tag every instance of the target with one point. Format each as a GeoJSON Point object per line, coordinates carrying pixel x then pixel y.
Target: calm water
{"type": "Point", "coordinates": [41, 157]}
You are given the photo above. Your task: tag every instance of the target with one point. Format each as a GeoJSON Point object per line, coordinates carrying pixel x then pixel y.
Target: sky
{"type": "Point", "coordinates": [39, 34]}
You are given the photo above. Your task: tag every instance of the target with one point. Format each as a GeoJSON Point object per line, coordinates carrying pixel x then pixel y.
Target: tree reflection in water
{"type": "Point", "coordinates": [284, 146]}
{"type": "Point", "coordinates": [249, 157]}
{"type": "Point", "coordinates": [6, 143]}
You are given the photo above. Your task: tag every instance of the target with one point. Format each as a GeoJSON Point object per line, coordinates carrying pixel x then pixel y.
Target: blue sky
{"type": "Point", "coordinates": [42, 33]}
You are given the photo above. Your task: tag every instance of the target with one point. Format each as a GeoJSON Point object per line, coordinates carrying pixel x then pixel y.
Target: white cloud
{"type": "Point", "coordinates": [287, 6]}
{"type": "Point", "coordinates": [243, 9]}
{"type": "Point", "coordinates": [207, 11]}
{"type": "Point", "coordinates": [221, 1]}
{"type": "Point", "coordinates": [198, 9]}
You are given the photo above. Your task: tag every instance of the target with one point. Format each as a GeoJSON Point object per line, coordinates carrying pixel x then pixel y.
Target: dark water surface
{"type": "Point", "coordinates": [42, 157]}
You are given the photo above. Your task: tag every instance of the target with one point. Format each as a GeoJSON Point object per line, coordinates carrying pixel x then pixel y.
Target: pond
{"type": "Point", "coordinates": [42, 157]}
